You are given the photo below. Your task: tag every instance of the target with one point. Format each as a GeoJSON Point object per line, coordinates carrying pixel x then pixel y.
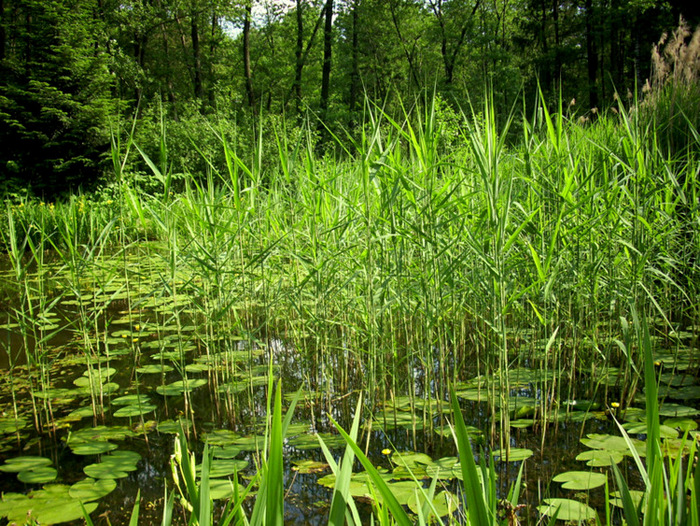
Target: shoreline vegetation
{"type": "Point", "coordinates": [540, 269]}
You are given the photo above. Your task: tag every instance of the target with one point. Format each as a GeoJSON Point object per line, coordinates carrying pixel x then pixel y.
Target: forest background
{"type": "Point", "coordinates": [75, 74]}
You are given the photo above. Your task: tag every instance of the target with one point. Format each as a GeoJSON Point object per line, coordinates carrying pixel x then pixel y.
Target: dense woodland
{"type": "Point", "coordinates": [75, 73]}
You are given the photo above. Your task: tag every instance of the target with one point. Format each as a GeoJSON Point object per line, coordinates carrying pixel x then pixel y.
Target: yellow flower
{"type": "Point", "coordinates": [615, 405]}
{"type": "Point", "coordinates": [386, 451]}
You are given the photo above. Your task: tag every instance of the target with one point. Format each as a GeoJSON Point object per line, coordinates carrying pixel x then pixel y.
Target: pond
{"type": "Point", "coordinates": [103, 362]}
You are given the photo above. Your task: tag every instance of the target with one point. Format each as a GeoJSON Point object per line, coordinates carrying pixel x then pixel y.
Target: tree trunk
{"type": "Point", "coordinates": [247, 72]}
{"type": "Point", "coordinates": [327, 50]}
{"type": "Point", "coordinates": [592, 54]}
{"type": "Point", "coordinates": [298, 53]}
{"type": "Point", "coordinates": [196, 56]}
{"type": "Point", "coordinates": [355, 71]}
{"type": "Point", "coordinates": [2, 30]}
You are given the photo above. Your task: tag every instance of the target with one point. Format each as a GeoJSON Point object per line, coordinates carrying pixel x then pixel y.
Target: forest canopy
{"type": "Point", "coordinates": [75, 73]}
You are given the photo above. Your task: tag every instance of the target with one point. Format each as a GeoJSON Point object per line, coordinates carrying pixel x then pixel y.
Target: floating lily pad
{"type": "Point", "coordinates": [221, 437]}
{"type": "Point", "coordinates": [38, 475]}
{"type": "Point", "coordinates": [17, 464]}
{"type": "Point", "coordinates": [444, 503]}
{"type": "Point", "coordinates": [171, 427]}
{"type": "Point", "coordinates": [90, 489]}
{"type": "Point", "coordinates": [180, 386]}
{"type": "Point", "coordinates": [640, 428]}
{"type": "Point", "coordinates": [516, 454]}
{"type": "Point", "coordinates": [94, 447]}
{"type": "Point", "coordinates": [223, 488]}
{"type": "Point", "coordinates": [51, 505]}
{"type": "Point", "coordinates": [114, 466]}
{"type": "Point", "coordinates": [678, 411]}
{"type": "Point", "coordinates": [80, 413]}
{"type": "Point", "coordinates": [9, 424]}
{"type": "Point", "coordinates": [411, 459]}
{"type": "Point", "coordinates": [225, 451]}
{"type": "Point", "coordinates": [613, 443]}
{"type": "Point", "coordinates": [569, 510]}
{"type": "Point", "coordinates": [310, 441]}
{"type": "Point", "coordinates": [684, 424]}
{"type": "Point", "coordinates": [580, 480]}
{"type": "Point", "coordinates": [637, 497]}
{"type": "Point", "coordinates": [131, 399]}
{"type": "Point", "coordinates": [309, 466]}
{"type": "Point", "coordinates": [600, 457]}
{"type": "Point", "coordinates": [88, 434]}
{"type": "Point", "coordinates": [224, 467]}
{"type": "Point", "coordinates": [134, 410]}
{"type": "Point", "coordinates": [154, 369]}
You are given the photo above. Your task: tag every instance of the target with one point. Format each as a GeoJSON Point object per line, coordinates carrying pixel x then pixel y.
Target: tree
{"type": "Point", "coordinates": [54, 95]}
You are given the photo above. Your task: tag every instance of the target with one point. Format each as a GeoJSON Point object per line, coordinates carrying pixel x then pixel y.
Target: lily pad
{"type": "Point", "coordinates": [114, 466]}
{"type": "Point", "coordinates": [154, 369]}
{"type": "Point", "coordinates": [444, 503]}
{"type": "Point", "coordinates": [90, 489]}
{"type": "Point", "coordinates": [306, 467]}
{"type": "Point", "coordinates": [180, 386]}
{"type": "Point", "coordinates": [39, 475]}
{"type": "Point", "coordinates": [580, 480]}
{"type": "Point", "coordinates": [600, 457]}
{"type": "Point", "coordinates": [310, 441]}
{"type": "Point", "coordinates": [94, 447]}
{"type": "Point", "coordinates": [516, 454]}
{"type": "Point", "coordinates": [224, 467]}
{"type": "Point", "coordinates": [51, 505]}
{"type": "Point", "coordinates": [569, 510]}
{"type": "Point", "coordinates": [134, 410]}
{"type": "Point", "coordinates": [17, 464]}
{"type": "Point", "coordinates": [223, 488]}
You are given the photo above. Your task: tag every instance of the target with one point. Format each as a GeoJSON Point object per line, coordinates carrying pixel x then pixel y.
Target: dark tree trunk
{"type": "Point", "coordinates": [355, 71]}
{"type": "Point", "coordinates": [247, 72]}
{"type": "Point", "coordinates": [327, 51]}
{"type": "Point", "coordinates": [2, 30]}
{"type": "Point", "coordinates": [592, 55]}
{"type": "Point", "coordinates": [298, 53]}
{"type": "Point", "coordinates": [196, 56]}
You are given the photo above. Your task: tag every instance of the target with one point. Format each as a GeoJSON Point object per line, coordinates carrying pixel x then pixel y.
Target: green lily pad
{"type": "Point", "coordinates": [444, 503]}
{"type": "Point", "coordinates": [114, 466]}
{"type": "Point", "coordinates": [224, 467]}
{"type": "Point", "coordinates": [172, 427]}
{"type": "Point", "coordinates": [221, 437]}
{"type": "Point", "coordinates": [154, 369]}
{"type": "Point", "coordinates": [180, 386]}
{"type": "Point", "coordinates": [600, 457]}
{"type": "Point", "coordinates": [51, 505]}
{"type": "Point", "coordinates": [9, 424]}
{"type": "Point", "coordinates": [306, 467]}
{"type": "Point", "coordinates": [223, 489]}
{"type": "Point", "coordinates": [569, 510]}
{"type": "Point", "coordinates": [38, 475]}
{"type": "Point", "coordinates": [580, 480]}
{"type": "Point", "coordinates": [90, 489]}
{"type": "Point", "coordinates": [94, 447]}
{"type": "Point", "coordinates": [640, 428]}
{"type": "Point", "coordinates": [310, 441]}
{"type": "Point", "coordinates": [613, 443]}
{"type": "Point", "coordinates": [637, 498]}
{"type": "Point", "coordinates": [684, 424]}
{"type": "Point", "coordinates": [132, 399]}
{"type": "Point", "coordinates": [678, 411]}
{"type": "Point", "coordinates": [17, 464]}
{"type": "Point", "coordinates": [134, 410]}
{"type": "Point", "coordinates": [411, 459]}
{"type": "Point", "coordinates": [225, 451]}
{"type": "Point", "coordinates": [516, 454]}
{"type": "Point", "coordinates": [88, 434]}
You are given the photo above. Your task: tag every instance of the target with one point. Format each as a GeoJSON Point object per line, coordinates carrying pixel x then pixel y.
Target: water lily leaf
{"type": "Point", "coordinates": [9, 424]}
{"type": "Point", "coordinates": [172, 427]}
{"type": "Point", "coordinates": [80, 413]}
{"type": "Point", "coordinates": [51, 505]}
{"type": "Point", "coordinates": [580, 480]}
{"type": "Point", "coordinates": [612, 443]}
{"type": "Point", "coordinates": [640, 428]}
{"type": "Point", "coordinates": [180, 386]}
{"type": "Point", "coordinates": [411, 459]}
{"type": "Point", "coordinates": [131, 399]}
{"type": "Point", "coordinates": [684, 424]}
{"type": "Point", "coordinates": [310, 441]}
{"type": "Point", "coordinates": [522, 423]}
{"type": "Point", "coordinates": [569, 510]}
{"type": "Point", "coordinates": [39, 475]}
{"type": "Point", "coordinates": [399, 419]}
{"type": "Point", "coordinates": [221, 437]}
{"type": "Point", "coordinates": [113, 466]}
{"type": "Point", "coordinates": [223, 488]}
{"type": "Point", "coordinates": [154, 369]}
{"type": "Point", "coordinates": [224, 467]}
{"type": "Point", "coordinates": [90, 489]}
{"type": "Point", "coordinates": [94, 447]}
{"type": "Point", "coordinates": [134, 410]}
{"type": "Point", "coordinates": [17, 464]}
{"type": "Point", "coordinates": [94, 376]}
{"type": "Point", "coordinates": [197, 368]}
{"type": "Point", "coordinates": [306, 467]}
{"type": "Point", "coordinates": [225, 451]}
{"type": "Point", "coordinates": [600, 457]}
{"type": "Point", "coordinates": [444, 503]}
{"type": "Point", "coordinates": [88, 434]}
{"type": "Point", "coordinates": [678, 411]}
{"type": "Point", "coordinates": [637, 497]}
{"type": "Point", "coordinates": [516, 454]}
